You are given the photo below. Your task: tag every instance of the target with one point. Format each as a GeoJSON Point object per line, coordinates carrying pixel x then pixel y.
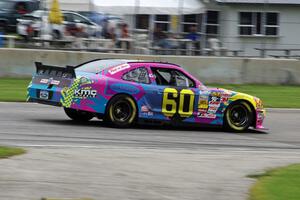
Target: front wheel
{"type": "Point", "coordinates": [238, 117]}
{"type": "Point", "coordinates": [77, 115]}
{"type": "Point", "coordinates": [121, 111]}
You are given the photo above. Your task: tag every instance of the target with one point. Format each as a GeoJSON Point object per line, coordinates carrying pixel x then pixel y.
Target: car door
{"type": "Point", "coordinates": [176, 92]}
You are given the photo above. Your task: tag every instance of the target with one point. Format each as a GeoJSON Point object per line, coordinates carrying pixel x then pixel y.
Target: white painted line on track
{"type": "Point", "coordinates": [283, 109]}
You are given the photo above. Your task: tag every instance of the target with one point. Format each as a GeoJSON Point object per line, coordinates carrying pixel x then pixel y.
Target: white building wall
{"type": "Point", "coordinates": [289, 31]}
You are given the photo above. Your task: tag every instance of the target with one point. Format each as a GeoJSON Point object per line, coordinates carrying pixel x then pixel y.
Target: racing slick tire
{"type": "Point", "coordinates": [121, 111]}
{"type": "Point", "coordinates": [77, 115]}
{"type": "Point", "coordinates": [238, 116]}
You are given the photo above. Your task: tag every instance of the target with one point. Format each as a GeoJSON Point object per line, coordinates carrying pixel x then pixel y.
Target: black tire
{"type": "Point", "coordinates": [56, 35]}
{"type": "Point", "coordinates": [121, 111]}
{"type": "Point", "coordinates": [77, 115]}
{"type": "Point", "coordinates": [238, 116]}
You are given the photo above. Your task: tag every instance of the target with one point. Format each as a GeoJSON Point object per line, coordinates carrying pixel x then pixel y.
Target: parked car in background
{"type": "Point", "coordinates": [100, 18]}
{"type": "Point", "coordinates": [95, 17]}
{"type": "Point", "coordinates": [11, 10]}
{"type": "Point", "coordinates": [38, 20]}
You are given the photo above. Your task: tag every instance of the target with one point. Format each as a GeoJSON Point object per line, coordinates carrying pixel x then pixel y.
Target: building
{"type": "Point", "coordinates": [240, 24]}
{"type": "Point", "coordinates": [249, 24]}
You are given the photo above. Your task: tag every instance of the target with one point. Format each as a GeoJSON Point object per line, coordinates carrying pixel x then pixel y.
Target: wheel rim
{"type": "Point", "coordinates": [239, 116]}
{"type": "Point", "coordinates": [122, 111]}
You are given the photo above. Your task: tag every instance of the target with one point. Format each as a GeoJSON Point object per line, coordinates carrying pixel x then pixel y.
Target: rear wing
{"type": "Point", "coordinates": [54, 71]}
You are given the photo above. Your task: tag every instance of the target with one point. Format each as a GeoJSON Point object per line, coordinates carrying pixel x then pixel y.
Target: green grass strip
{"type": "Point", "coordinates": [13, 89]}
{"type": "Point", "coordinates": [6, 152]}
{"type": "Point", "coordinates": [273, 96]}
{"type": "Point", "coordinates": [277, 184]}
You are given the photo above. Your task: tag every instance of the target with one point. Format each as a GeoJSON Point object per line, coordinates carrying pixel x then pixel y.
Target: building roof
{"type": "Point", "coordinates": [261, 1]}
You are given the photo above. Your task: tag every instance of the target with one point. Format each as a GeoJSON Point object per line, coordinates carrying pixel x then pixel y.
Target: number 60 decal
{"type": "Point", "coordinates": [171, 106]}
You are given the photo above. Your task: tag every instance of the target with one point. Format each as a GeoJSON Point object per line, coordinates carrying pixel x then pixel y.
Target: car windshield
{"type": "Point", "coordinates": [6, 5]}
{"type": "Point", "coordinates": [99, 65]}
{"type": "Point", "coordinates": [38, 13]}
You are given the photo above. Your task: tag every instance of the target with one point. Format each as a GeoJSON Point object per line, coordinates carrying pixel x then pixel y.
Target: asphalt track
{"type": "Point", "coordinates": [27, 124]}
{"type": "Point", "coordinates": [69, 160]}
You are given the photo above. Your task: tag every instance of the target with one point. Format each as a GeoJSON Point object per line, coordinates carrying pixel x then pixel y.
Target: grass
{"type": "Point", "coordinates": [6, 152]}
{"type": "Point", "coordinates": [277, 184]}
{"type": "Point", "coordinates": [13, 89]}
{"type": "Point", "coordinates": [273, 96]}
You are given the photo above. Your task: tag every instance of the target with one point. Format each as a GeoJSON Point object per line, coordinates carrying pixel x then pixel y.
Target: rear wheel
{"type": "Point", "coordinates": [56, 35]}
{"type": "Point", "coordinates": [121, 111]}
{"type": "Point", "coordinates": [238, 117]}
{"type": "Point", "coordinates": [77, 115]}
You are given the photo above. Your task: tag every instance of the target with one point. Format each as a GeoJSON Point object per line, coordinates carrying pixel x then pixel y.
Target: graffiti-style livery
{"type": "Point", "coordinates": [124, 92]}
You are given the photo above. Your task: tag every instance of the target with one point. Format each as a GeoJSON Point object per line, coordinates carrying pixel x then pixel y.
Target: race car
{"type": "Point", "coordinates": [125, 92]}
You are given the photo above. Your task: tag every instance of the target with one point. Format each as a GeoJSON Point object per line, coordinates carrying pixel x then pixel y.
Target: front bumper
{"type": "Point", "coordinates": [260, 117]}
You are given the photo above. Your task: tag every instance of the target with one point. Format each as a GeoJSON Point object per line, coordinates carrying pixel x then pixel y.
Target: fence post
{"type": "Point", "coordinates": [1, 39]}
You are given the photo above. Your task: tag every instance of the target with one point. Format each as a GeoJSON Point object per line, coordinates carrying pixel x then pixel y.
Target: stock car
{"type": "Point", "coordinates": [124, 92]}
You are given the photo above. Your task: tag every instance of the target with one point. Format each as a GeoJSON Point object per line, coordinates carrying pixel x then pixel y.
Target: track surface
{"type": "Point", "coordinates": [33, 124]}
{"type": "Point", "coordinates": [68, 160]}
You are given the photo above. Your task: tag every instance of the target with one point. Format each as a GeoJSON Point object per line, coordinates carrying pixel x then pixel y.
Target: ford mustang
{"type": "Point", "coordinates": [125, 92]}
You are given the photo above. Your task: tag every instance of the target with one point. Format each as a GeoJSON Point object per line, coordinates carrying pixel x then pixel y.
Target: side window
{"type": "Point", "coordinates": [67, 17]}
{"type": "Point", "coordinates": [139, 75]}
{"type": "Point", "coordinates": [172, 77]}
{"type": "Point", "coordinates": [79, 19]}
{"type": "Point", "coordinates": [182, 80]}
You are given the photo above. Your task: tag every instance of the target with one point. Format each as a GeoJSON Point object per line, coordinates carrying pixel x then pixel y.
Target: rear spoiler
{"type": "Point", "coordinates": [54, 71]}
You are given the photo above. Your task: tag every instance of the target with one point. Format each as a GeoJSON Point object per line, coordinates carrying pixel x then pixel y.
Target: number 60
{"type": "Point", "coordinates": [184, 110]}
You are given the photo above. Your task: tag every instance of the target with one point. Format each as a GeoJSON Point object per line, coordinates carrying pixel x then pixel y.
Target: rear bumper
{"type": "Point", "coordinates": [54, 95]}
{"type": "Point", "coordinates": [51, 103]}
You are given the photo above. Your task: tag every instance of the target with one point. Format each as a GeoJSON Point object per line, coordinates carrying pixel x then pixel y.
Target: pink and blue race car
{"type": "Point", "coordinates": [124, 92]}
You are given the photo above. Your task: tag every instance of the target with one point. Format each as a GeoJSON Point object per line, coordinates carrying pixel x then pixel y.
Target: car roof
{"type": "Point", "coordinates": [111, 62]}
{"type": "Point", "coordinates": [98, 65]}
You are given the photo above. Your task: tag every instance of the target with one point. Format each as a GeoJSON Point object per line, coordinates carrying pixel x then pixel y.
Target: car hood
{"type": "Point", "coordinates": [228, 96]}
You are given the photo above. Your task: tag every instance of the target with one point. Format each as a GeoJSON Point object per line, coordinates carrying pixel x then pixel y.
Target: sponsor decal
{"type": "Point", "coordinates": [213, 109]}
{"type": "Point", "coordinates": [44, 80]}
{"type": "Point", "coordinates": [216, 94]}
{"type": "Point", "coordinates": [77, 91]}
{"type": "Point", "coordinates": [118, 68]}
{"type": "Point", "coordinates": [150, 113]}
{"type": "Point", "coordinates": [44, 95]}
{"type": "Point", "coordinates": [85, 93]}
{"type": "Point", "coordinates": [224, 99]}
{"type": "Point", "coordinates": [50, 81]}
{"type": "Point", "coordinates": [151, 76]}
{"type": "Point", "coordinates": [206, 115]}
{"type": "Point", "coordinates": [55, 82]}
{"type": "Point", "coordinates": [214, 103]}
{"type": "Point", "coordinates": [144, 109]}
{"type": "Point", "coordinates": [203, 103]}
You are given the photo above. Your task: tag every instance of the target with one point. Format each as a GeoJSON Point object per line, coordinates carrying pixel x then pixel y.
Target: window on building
{"type": "Point", "coordinates": [162, 21]}
{"type": "Point", "coordinates": [191, 20]}
{"type": "Point", "coordinates": [272, 24]}
{"type": "Point", "coordinates": [258, 23]}
{"type": "Point", "coordinates": [139, 75]}
{"type": "Point", "coordinates": [142, 21]}
{"type": "Point", "coordinates": [212, 22]}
